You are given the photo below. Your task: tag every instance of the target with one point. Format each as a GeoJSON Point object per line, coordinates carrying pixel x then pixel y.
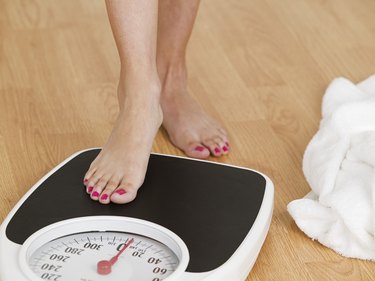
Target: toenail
{"type": "Point", "coordinates": [217, 150]}
{"type": "Point", "coordinates": [85, 180]}
{"type": "Point", "coordinates": [120, 191]}
{"type": "Point", "coordinates": [225, 148]}
{"type": "Point", "coordinates": [199, 148]}
{"type": "Point", "coordinates": [89, 189]}
{"type": "Point", "coordinates": [95, 194]}
{"type": "Point", "coordinates": [104, 197]}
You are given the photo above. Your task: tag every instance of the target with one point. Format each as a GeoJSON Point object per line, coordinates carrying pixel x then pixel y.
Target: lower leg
{"type": "Point", "coordinates": [189, 127]}
{"type": "Point", "coordinates": [119, 169]}
{"type": "Point", "coordinates": [175, 24]}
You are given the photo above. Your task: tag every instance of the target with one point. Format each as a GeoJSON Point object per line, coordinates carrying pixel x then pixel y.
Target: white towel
{"type": "Point", "coordinates": [339, 165]}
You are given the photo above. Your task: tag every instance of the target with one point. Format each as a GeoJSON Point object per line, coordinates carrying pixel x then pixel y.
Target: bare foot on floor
{"type": "Point", "coordinates": [118, 171]}
{"type": "Point", "coordinates": [189, 128]}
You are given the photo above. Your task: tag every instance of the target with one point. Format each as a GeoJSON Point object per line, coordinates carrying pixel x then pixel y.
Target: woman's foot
{"type": "Point", "coordinates": [118, 171]}
{"type": "Point", "coordinates": [189, 128]}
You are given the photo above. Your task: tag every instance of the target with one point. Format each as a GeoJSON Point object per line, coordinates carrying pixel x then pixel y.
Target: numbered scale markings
{"type": "Point", "coordinates": [75, 257]}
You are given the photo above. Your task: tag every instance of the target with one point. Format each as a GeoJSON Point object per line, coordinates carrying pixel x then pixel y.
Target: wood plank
{"type": "Point", "coordinates": [261, 67]}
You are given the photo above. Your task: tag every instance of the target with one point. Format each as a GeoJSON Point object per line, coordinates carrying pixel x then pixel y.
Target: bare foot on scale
{"type": "Point", "coordinates": [189, 128]}
{"type": "Point", "coordinates": [118, 171]}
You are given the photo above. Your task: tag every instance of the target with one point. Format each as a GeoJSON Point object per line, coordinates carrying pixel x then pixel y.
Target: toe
{"type": "Point", "coordinates": [222, 133]}
{"type": "Point", "coordinates": [88, 176]}
{"type": "Point", "coordinates": [91, 171]}
{"type": "Point", "coordinates": [95, 195]}
{"type": "Point", "coordinates": [197, 150]}
{"type": "Point", "coordinates": [225, 149]}
{"type": "Point", "coordinates": [222, 143]}
{"type": "Point", "coordinates": [104, 198]}
{"type": "Point", "coordinates": [89, 189]}
{"type": "Point", "coordinates": [213, 147]}
{"type": "Point", "coordinates": [99, 187]}
{"type": "Point", "coordinates": [91, 182]}
{"type": "Point", "coordinates": [123, 194]}
{"type": "Point", "coordinates": [112, 184]}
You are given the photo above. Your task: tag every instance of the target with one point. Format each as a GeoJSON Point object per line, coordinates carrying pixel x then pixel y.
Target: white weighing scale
{"type": "Point", "coordinates": [192, 220]}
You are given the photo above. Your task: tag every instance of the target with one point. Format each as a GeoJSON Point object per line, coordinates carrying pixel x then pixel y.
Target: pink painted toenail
{"type": "Point", "coordinates": [89, 189]}
{"type": "Point", "coordinates": [199, 148]}
{"type": "Point", "coordinates": [95, 194]}
{"type": "Point", "coordinates": [217, 150]}
{"type": "Point", "coordinates": [120, 191]}
{"type": "Point", "coordinates": [225, 148]}
{"type": "Point", "coordinates": [104, 197]}
{"type": "Point", "coordinates": [85, 180]}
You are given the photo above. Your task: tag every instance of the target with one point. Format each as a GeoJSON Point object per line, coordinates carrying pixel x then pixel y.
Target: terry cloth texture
{"type": "Point", "coordinates": [339, 165]}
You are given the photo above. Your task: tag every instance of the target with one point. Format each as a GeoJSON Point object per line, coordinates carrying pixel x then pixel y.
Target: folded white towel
{"type": "Point", "coordinates": [339, 165]}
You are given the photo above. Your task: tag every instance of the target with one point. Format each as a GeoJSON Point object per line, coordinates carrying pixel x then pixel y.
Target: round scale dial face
{"type": "Point", "coordinates": [101, 256]}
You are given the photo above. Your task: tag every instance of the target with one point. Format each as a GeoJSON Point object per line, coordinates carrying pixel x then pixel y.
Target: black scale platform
{"type": "Point", "coordinates": [211, 207]}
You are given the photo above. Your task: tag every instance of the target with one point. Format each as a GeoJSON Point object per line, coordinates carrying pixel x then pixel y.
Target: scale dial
{"type": "Point", "coordinates": [78, 257]}
{"type": "Point", "coordinates": [66, 252]}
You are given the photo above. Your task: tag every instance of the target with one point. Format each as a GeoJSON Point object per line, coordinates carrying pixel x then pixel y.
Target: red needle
{"type": "Point", "coordinates": [105, 267]}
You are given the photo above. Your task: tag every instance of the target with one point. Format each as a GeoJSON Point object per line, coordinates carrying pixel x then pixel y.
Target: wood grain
{"type": "Point", "coordinates": [260, 67]}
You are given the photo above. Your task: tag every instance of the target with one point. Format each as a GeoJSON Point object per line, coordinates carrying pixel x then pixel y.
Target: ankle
{"type": "Point", "coordinates": [139, 80]}
{"type": "Point", "coordinates": [171, 68]}
{"type": "Point", "coordinates": [173, 78]}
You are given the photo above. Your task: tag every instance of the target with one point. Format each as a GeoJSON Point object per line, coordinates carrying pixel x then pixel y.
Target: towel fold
{"type": "Point", "coordinates": [339, 165]}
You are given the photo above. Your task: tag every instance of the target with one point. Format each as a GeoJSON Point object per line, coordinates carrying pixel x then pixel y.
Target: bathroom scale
{"type": "Point", "coordinates": [192, 220]}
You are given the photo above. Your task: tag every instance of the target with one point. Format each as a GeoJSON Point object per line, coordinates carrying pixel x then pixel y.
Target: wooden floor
{"type": "Point", "coordinates": [260, 67]}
